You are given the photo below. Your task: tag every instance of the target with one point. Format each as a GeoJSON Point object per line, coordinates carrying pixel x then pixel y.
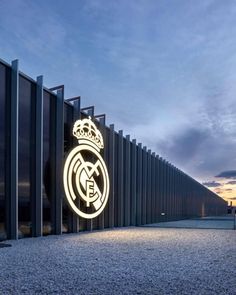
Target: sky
{"type": "Point", "coordinates": [163, 71]}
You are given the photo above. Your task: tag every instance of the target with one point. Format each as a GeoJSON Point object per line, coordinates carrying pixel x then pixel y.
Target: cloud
{"type": "Point", "coordinates": [212, 184]}
{"type": "Point", "coordinates": [231, 182]}
{"type": "Point", "coordinates": [184, 145]}
{"type": "Point", "coordinates": [197, 149]}
{"type": "Point", "coordinates": [127, 60]}
{"type": "Point", "coordinates": [227, 174]}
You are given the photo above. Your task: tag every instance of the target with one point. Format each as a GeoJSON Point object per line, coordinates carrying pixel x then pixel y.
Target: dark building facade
{"type": "Point", "coordinates": [35, 137]}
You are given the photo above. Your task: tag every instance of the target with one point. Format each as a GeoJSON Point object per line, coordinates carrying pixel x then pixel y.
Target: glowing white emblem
{"type": "Point", "coordinates": [85, 174]}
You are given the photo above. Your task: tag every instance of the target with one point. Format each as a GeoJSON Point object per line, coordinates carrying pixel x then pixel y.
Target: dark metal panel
{"type": "Point", "coordinates": [120, 180]}
{"type": "Point", "coordinates": [153, 188]}
{"type": "Point", "coordinates": [157, 194]}
{"type": "Point", "coordinates": [116, 135]}
{"type": "Point", "coordinates": [163, 189]}
{"type": "Point", "coordinates": [59, 158]}
{"type": "Point", "coordinates": [174, 193]}
{"type": "Point", "coordinates": [183, 185]}
{"type": "Point", "coordinates": [102, 120]}
{"type": "Point", "coordinates": [161, 185]}
{"type": "Point", "coordinates": [148, 197]}
{"type": "Point", "coordinates": [144, 185]}
{"type": "Point", "coordinates": [76, 104]}
{"type": "Point", "coordinates": [182, 194]}
{"type": "Point", "coordinates": [89, 224]}
{"type": "Point", "coordinates": [27, 93]}
{"type": "Point", "coordinates": [12, 105]}
{"type": "Point", "coordinates": [177, 193]}
{"type": "Point", "coordinates": [139, 185]}
{"type": "Point", "coordinates": [107, 151]}
{"type": "Point", "coordinates": [37, 160]}
{"type": "Point", "coordinates": [52, 165]}
{"type": "Point", "coordinates": [182, 179]}
{"type": "Point", "coordinates": [74, 220]}
{"type": "Point", "coordinates": [187, 198]}
{"type": "Point", "coordinates": [89, 111]}
{"type": "Point", "coordinates": [167, 191]}
{"type": "Point", "coordinates": [4, 89]}
{"type": "Point", "coordinates": [74, 100]}
{"type": "Point", "coordinates": [111, 161]}
{"type": "Point", "coordinates": [133, 181]}
{"type": "Point", "coordinates": [127, 181]}
{"type": "Point", "coordinates": [158, 189]}
{"type": "Point", "coordinates": [57, 154]}
{"type": "Point", "coordinates": [170, 192]}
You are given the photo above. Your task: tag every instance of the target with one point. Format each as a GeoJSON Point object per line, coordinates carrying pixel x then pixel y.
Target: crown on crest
{"type": "Point", "coordinates": [86, 130]}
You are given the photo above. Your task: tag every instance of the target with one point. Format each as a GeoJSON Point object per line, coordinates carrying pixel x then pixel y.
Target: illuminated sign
{"type": "Point", "coordinates": [85, 176]}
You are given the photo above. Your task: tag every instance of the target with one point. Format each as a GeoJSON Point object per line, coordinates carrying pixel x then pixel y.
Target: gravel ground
{"type": "Point", "coordinates": [122, 261]}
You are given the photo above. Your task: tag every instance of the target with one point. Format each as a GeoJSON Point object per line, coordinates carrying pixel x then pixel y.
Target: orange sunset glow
{"type": "Point", "coordinates": [226, 189]}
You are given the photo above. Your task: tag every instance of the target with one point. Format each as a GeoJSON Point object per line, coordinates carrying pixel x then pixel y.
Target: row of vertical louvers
{"type": "Point", "coordinates": [35, 136]}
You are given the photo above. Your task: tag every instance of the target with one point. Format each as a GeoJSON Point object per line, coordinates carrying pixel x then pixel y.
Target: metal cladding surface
{"type": "Point", "coordinates": [53, 182]}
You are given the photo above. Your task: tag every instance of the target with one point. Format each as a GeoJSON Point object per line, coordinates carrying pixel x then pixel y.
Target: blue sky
{"type": "Point", "coordinates": [163, 71]}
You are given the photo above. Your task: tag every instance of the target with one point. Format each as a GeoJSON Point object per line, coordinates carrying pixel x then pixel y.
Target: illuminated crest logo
{"type": "Point", "coordinates": [85, 176]}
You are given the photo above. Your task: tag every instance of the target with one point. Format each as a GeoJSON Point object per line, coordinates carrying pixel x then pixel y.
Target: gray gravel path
{"type": "Point", "coordinates": [122, 261]}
